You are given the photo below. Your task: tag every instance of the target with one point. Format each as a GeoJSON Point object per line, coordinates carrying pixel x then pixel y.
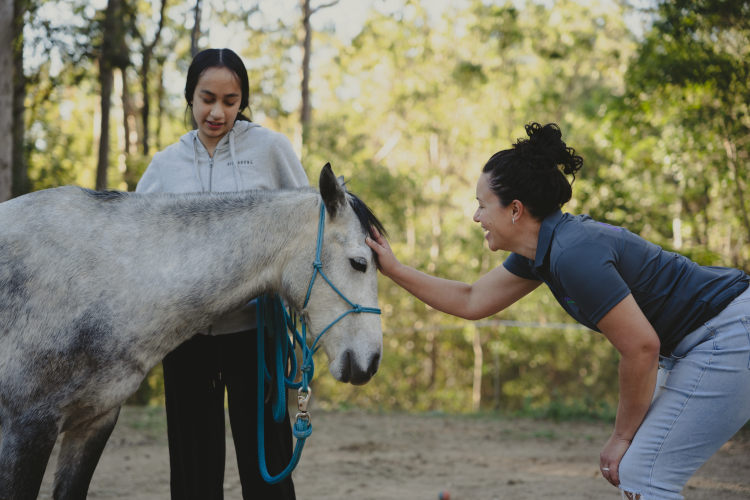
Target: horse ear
{"type": "Point", "coordinates": [333, 193]}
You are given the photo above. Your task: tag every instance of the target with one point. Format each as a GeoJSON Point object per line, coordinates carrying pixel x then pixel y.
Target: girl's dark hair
{"type": "Point", "coordinates": [534, 171]}
{"type": "Point", "coordinates": [218, 58]}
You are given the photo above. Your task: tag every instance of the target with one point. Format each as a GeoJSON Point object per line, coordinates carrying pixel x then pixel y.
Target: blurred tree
{"type": "Point", "coordinates": [307, 32]}
{"type": "Point", "coordinates": [684, 126]}
{"type": "Point", "coordinates": [112, 53]}
{"type": "Point", "coordinates": [147, 55]}
{"type": "Point", "coordinates": [56, 61]}
{"type": "Point", "coordinates": [21, 183]}
{"type": "Point", "coordinates": [7, 70]}
{"type": "Point", "coordinates": [13, 175]}
{"type": "Point", "coordinates": [61, 47]}
{"type": "Point", "coordinates": [147, 22]}
{"type": "Point", "coordinates": [195, 32]}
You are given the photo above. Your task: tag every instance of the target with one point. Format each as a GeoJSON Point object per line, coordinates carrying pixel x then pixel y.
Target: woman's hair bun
{"type": "Point", "coordinates": [545, 149]}
{"type": "Point", "coordinates": [534, 170]}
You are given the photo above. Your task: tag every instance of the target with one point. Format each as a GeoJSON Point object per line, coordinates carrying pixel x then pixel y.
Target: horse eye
{"type": "Point", "coordinates": [359, 264]}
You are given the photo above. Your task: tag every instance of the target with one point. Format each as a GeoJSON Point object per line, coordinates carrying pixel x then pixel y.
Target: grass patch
{"type": "Point", "coordinates": [561, 409]}
{"type": "Point", "coordinates": [149, 420]}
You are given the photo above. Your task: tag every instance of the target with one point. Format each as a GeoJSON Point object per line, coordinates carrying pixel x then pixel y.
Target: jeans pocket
{"type": "Point", "coordinates": [701, 335]}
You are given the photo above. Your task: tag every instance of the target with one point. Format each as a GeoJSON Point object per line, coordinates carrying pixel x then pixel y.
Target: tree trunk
{"type": "Point", "coordinates": [7, 71]}
{"type": "Point", "coordinates": [105, 81]}
{"type": "Point", "coordinates": [147, 54]}
{"type": "Point", "coordinates": [306, 109]}
{"type": "Point", "coordinates": [114, 54]}
{"type": "Point", "coordinates": [195, 33]}
{"type": "Point", "coordinates": [731, 151]}
{"type": "Point", "coordinates": [20, 173]}
{"type": "Point", "coordinates": [145, 68]}
{"type": "Point", "coordinates": [476, 392]}
{"type": "Point", "coordinates": [127, 114]}
{"type": "Point", "coordinates": [131, 173]}
{"type": "Point", "coordinates": [160, 94]}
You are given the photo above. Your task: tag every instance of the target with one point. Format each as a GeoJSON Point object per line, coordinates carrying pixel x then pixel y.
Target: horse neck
{"type": "Point", "coordinates": [244, 252]}
{"type": "Point", "coordinates": [281, 229]}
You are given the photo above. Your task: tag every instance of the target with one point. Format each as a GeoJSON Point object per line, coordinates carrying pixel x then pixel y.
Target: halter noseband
{"type": "Point", "coordinates": [281, 321]}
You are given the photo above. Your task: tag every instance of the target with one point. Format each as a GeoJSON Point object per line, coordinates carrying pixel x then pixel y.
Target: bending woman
{"type": "Point", "coordinates": [659, 310]}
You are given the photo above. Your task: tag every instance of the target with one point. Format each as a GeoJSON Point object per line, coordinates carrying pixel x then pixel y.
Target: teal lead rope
{"type": "Point", "coordinates": [274, 318]}
{"type": "Point", "coordinates": [271, 314]}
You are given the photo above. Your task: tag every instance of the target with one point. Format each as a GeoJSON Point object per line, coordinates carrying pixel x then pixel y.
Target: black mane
{"type": "Point", "coordinates": [366, 218]}
{"type": "Point", "coordinates": [106, 195]}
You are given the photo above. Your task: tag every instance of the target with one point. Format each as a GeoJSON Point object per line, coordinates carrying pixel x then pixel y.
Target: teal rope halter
{"type": "Point", "coordinates": [271, 312]}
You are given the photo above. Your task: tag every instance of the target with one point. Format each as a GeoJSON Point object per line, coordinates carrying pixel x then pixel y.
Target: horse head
{"type": "Point", "coordinates": [347, 279]}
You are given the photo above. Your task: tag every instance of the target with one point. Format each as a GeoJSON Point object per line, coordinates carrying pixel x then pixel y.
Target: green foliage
{"type": "Point", "coordinates": [683, 129]}
{"type": "Point", "coordinates": [135, 166]}
{"type": "Point", "coordinates": [60, 132]}
{"type": "Point", "coordinates": [151, 390]}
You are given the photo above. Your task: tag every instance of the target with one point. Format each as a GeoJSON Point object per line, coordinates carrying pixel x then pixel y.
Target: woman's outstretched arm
{"type": "Point", "coordinates": [490, 294]}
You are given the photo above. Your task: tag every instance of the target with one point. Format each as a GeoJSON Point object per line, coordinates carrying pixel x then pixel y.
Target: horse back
{"type": "Point", "coordinates": [52, 336]}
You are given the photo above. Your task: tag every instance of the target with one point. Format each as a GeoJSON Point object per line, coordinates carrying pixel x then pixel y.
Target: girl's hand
{"type": "Point", "coordinates": [386, 260]}
{"type": "Point", "coordinates": [610, 457]}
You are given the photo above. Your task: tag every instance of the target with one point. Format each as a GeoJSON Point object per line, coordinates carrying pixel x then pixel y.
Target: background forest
{"type": "Point", "coordinates": [407, 99]}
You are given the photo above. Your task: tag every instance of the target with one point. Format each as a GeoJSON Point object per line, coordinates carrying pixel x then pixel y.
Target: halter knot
{"type": "Point", "coordinates": [302, 427]}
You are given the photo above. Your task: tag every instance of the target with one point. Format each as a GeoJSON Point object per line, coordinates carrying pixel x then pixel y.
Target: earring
{"type": "Point", "coordinates": [513, 220]}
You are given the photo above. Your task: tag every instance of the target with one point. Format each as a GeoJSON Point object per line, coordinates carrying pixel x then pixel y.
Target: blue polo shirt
{"type": "Point", "coordinates": [591, 266]}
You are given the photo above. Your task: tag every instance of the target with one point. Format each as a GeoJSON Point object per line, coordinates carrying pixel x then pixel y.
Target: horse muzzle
{"type": "Point", "coordinates": [351, 370]}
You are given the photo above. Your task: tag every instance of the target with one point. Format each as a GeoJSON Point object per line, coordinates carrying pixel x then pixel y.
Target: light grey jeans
{"type": "Point", "coordinates": [702, 399]}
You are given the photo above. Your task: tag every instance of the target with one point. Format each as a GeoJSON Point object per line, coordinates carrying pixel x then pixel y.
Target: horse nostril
{"type": "Point", "coordinates": [346, 366]}
{"type": "Point", "coordinates": [357, 374]}
{"type": "Point", "coordinates": [374, 364]}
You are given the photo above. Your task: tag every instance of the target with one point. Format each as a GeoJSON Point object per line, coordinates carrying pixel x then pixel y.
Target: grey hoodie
{"type": "Point", "coordinates": [248, 157]}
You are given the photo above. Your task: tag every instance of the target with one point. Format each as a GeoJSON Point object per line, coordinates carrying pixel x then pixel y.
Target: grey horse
{"type": "Point", "coordinates": [96, 287]}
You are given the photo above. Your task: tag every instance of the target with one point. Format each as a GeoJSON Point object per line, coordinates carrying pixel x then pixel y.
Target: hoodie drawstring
{"type": "Point", "coordinates": [235, 165]}
{"type": "Point", "coordinates": [236, 169]}
{"type": "Point", "coordinates": [195, 163]}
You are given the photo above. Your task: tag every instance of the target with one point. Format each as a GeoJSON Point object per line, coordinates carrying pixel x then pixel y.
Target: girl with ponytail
{"type": "Point", "coordinates": [225, 152]}
{"type": "Point", "coordinates": [669, 318]}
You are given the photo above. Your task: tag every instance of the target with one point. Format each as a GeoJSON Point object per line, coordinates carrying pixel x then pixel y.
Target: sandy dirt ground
{"type": "Point", "coordinates": [369, 456]}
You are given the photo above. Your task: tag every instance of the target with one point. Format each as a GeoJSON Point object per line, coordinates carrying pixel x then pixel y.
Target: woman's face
{"type": "Point", "coordinates": [216, 103]}
{"type": "Point", "coordinates": [494, 218]}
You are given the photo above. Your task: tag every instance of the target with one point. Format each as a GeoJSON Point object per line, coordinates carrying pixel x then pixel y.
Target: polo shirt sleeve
{"type": "Point", "coordinates": [520, 266]}
{"type": "Point", "coordinates": [590, 278]}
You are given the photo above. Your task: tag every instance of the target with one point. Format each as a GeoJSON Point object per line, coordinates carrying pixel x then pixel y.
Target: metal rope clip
{"type": "Point", "coordinates": [303, 398]}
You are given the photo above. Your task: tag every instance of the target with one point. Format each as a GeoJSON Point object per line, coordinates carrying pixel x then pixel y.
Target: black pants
{"type": "Point", "coordinates": [195, 376]}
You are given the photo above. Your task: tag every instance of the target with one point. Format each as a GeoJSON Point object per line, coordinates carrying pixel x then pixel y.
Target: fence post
{"type": "Point", "coordinates": [476, 393]}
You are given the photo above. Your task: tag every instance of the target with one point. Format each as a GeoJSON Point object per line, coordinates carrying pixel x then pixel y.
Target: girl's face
{"type": "Point", "coordinates": [216, 104]}
{"type": "Point", "coordinates": [492, 215]}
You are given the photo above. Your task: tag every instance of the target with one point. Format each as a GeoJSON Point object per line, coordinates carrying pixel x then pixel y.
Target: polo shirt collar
{"type": "Point", "coordinates": [545, 236]}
